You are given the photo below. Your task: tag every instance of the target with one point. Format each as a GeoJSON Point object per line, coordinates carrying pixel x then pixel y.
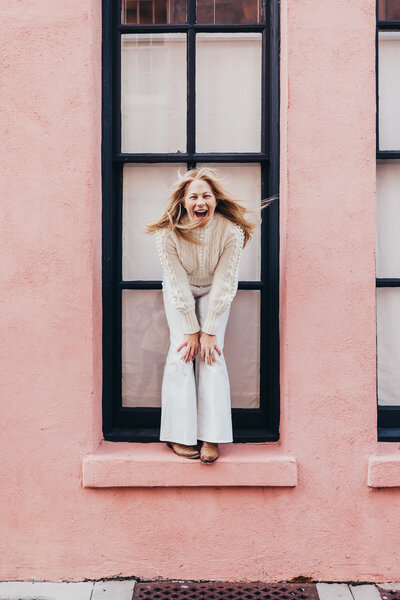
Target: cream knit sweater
{"type": "Point", "coordinates": [215, 263]}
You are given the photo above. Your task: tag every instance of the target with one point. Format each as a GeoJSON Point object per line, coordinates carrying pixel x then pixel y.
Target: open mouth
{"type": "Point", "coordinates": [201, 214]}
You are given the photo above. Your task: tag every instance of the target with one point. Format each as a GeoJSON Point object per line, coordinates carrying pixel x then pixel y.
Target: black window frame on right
{"type": "Point", "coordinates": [135, 424]}
{"type": "Point", "coordinates": [388, 416]}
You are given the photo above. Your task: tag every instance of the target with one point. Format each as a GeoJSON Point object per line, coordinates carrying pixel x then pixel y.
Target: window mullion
{"type": "Point", "coordinates": [384, 25]}
{"type": "Point", "coordinates": [191, 92]}
{"type": "Point", "coordinates": [156, 285]}
{"type": "Point", "coordinates": [388, 282]}
{"type": "Point", "coordinates": [192, 157]}
{"type": "Point", "coordinates": [200, 28]}
{"type": "Point", "coordinates": [116, 81]}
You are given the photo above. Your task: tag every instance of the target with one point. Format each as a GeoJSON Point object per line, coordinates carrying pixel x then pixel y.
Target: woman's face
{"type": "Point", "coordinates": [200, 201]}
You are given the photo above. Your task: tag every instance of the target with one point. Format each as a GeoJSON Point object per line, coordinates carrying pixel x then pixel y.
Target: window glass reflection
{"type": "Point", "coordinates": [389, 10]}
{"type": "Point", "coordinates": [146, 190]}
{"type": "Point", "coordinates": [242, 349]}
{"type": "Point", "coordinates": [145, 343]}
{"type": "Point", "coordinates": [388, 345]}
{"type": "Point", "coordinates": [228, 92]}
{"type": "Point", "coordinates": [228, 11]}
{"type": "Point", "coordinates": [388, 219]}
{"type": "Point", "coordinates": [151, 12]}
{"type": "Point", "coordinates": [389, 90]}
{"type": "Point", "coordinates": [153, 92]}
{"type": "Point", "coordinates": [244, 181]}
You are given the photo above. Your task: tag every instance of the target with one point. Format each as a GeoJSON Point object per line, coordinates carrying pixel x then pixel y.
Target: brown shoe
{"type": "Point", "coordinates": [185, 451]}
{"type": "Point", "coordinates": [209, 452]}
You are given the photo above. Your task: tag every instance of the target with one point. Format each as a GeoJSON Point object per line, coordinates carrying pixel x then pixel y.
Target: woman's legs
{"type": "Point", "coordinates": [178, 394]}
{"type": "Point", "coordinates": [214, 417]}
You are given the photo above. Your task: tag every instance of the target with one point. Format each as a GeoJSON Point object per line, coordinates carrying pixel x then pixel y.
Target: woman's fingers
{"type": "Point", "coordinates": [190, 353]}
{"type": "Point", "coordinates": [191, 343]}
{"type": "Point", "coordinates": [181, 346]}
{"type": "Point", "coordinates": [204, 354]}
{"type": "Point", "coordinates": [207, 353]}
{"type": "Point", "coordinates": [208, 356]}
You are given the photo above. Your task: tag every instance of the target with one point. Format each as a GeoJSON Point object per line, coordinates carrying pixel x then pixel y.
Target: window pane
{"type": "Point", "coordinates": [145, 12]}
{"type": "Point", "coordinates": [228, 87]}
{"type": "Point", "coordinates": [242, 349]}
{"type": "Point", "coordinates": [153, 93]}
{"type": "Point", "coordinates": [145, 342]}
{"type": "Point", "coordinates": [146, 189]}
{"type": "Point", "coordinates": [244, 181]}
{"type": "Point", "coordinates": [228, 11]}
{"type": "Point", "coordinates": [389, 90]}
{"type": "Point", "coordinates": [388, 334]}
{"type": "Point", "coordinates": [389, 10]}
{"type": "Point", "coordinates": [388, 219]}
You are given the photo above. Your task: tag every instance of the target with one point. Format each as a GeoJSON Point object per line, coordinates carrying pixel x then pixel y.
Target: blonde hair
{"type": "Point", "coordinates": [227, 206]}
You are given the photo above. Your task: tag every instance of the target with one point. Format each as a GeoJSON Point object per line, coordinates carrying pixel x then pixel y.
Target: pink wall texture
{"type": "Point", "coordinates": [332, 525]}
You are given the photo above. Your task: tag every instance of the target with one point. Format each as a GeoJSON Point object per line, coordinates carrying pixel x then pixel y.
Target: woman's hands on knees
{"type": "Point", "coordinates": [192, 346]}
{"type": "Point", "coordinates": [208, 345]}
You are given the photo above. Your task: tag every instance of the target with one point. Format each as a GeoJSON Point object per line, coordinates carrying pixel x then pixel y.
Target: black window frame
{"type": "Point", "coordinates": [388, 416]}
{"type": "Point", "coordinates": [142, 424]}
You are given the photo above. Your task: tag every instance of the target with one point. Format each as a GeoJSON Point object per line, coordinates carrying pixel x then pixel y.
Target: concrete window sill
{"type": "Point", "coordinates": [384, 470]}
{"type": "Point", "coordinates": [155, 465]}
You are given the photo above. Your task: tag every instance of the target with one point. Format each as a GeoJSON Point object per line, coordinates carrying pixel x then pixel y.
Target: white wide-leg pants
{"type": "Point", "coordinates": [195, 407]}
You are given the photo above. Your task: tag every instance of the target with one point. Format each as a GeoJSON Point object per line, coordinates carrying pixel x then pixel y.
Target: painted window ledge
{"type": "Point", "coordinates": [125, 464]}
{"type": "Point", "coordinates": [384, 469]}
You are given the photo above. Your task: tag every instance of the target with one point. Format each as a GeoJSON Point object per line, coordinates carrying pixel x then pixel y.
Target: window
{"type": "Point", "coordinates": [187, 84]}
{"type": "Point", "coordinates": [388, 219]}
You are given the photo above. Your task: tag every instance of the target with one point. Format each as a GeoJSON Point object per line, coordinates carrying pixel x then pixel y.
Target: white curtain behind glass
{"type": "Point", "coordinates": [146, 190]}
{"type": "Point", "coordinates": [388, 346]}
{"type": "Point", "coordinates": [389, 90]}
{"type": "Point", "coordinates": [242, 349]}
{"type": "Point", "coordinates": [145, 342]}
{"type": "Point", "coordinates": [244, 182]}
{"type": "Point", "coordinates": [228, 88]}
{"type": "Point", "coordinates": [153, 92]}
{"type": "Point", "coordinates": [388, 218]}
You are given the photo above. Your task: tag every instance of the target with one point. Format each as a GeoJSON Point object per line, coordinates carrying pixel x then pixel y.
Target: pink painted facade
{"type": "Point", "coordinates": [323, 502]}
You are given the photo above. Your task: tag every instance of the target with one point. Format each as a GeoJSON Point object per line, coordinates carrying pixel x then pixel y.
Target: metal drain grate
{"type": "Point", "coordinates": [389, 594]}
{"type": "Point", "coordinates": [166, 590]}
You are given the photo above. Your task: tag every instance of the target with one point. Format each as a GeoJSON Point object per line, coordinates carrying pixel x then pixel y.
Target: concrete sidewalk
{"type": "Point", "coordinates": [123, 590]}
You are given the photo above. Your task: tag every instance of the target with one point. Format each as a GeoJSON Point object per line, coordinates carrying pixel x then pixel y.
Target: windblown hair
{"type": "Point", "coordinates": [227, 206]}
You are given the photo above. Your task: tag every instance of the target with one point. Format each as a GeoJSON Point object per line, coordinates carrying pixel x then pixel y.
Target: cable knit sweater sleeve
{"type": "Point", "coordinates": [176, 281]}
{"type": "Point", "coordinates": [225, 280]}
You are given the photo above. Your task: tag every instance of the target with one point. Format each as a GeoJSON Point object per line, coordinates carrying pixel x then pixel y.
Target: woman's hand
{"type": "Point", "coordinates": [192, 346]}
{"type": "Point", "coordinates": [208, 344]}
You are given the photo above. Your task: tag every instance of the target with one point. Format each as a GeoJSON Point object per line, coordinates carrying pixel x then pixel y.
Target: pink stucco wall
{"type": "Point", "coordinates": [332, 525]}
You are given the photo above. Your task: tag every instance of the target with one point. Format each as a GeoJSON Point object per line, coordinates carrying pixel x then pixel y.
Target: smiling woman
{"type": "Point", "coordinates": [200, 201]}
{"type": "Point", "coordinates": [199, 238]}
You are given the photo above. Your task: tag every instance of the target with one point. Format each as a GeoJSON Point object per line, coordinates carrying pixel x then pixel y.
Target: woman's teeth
{"type": "Point", "coordinates": [200, 213]}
